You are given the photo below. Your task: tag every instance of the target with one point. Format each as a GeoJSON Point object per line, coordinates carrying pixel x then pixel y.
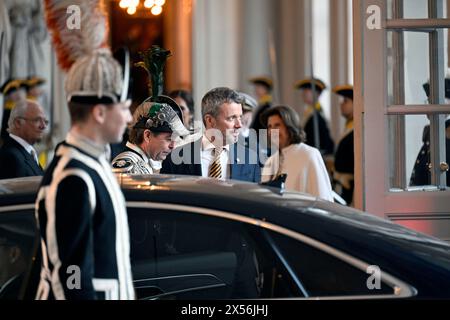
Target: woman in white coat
{"type": "Point", "coordinates": [303, 164]}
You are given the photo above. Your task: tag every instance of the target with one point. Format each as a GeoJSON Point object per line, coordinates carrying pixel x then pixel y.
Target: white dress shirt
{"type": "Point", "coordinates": [207, 154]}
{"type": "Point", "coordinates": [28, 147]}
{"type": "Point", "coordinates": [305, 169]}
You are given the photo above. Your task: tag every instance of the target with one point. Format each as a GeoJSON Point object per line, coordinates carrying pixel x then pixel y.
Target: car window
{"type": "Point", "coordinates": [178, 255]}
{"type": "Point", "coordinates": [324, 275]}
{"type": "Point", "coordinates": [17, 246]}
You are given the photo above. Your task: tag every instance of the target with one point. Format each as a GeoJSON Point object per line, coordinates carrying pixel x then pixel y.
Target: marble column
{"type": "Point", "coordinates": [178, 39]}
{"type": "Point", "coordinates": [339, 39]}
{"type": "Point", "coordinates": [216, 34]}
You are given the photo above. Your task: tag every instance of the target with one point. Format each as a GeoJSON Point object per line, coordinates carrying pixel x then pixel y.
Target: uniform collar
{"type": "Point", "coordinates": [318, 107]}
{"type": "Point", "coordinates": [10, 104]}
{"type": "Point", "coordinates": [86, 144]}
{"type": "Point", "coordinates": [138, 150]}
{"type": "Point", "coordinates": [349, 125]}
{"type": "Point", "coordinates": [265, 99]}
{"type": "Point", "coordinates": [309, 111]}
{"type": "Point", "coordinates": [156, 165]}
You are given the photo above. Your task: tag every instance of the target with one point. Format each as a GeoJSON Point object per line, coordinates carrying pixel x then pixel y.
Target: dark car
{"type": "Point", "coordinates": [197, 238]}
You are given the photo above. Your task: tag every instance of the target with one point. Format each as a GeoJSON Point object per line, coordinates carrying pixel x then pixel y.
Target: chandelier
{"type": "Point", "coordinates": [153, 6]}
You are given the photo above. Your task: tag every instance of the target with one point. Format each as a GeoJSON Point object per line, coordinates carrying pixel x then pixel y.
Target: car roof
{"type": "Point", "coordinates": [244, 198]}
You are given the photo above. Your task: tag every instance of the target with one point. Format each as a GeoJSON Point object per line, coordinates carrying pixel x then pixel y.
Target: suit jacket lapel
{"type": "Point", "coordinates": [28, 158]}
{"type": "Point", "coordinates": [196, 164]}
{"type": "Point", "coordinates": [35, 168]}
{"type": "Point", "coordinates": [234, 167]}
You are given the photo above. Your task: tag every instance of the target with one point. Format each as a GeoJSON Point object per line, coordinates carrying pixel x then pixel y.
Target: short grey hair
{"type": "Point", "coordinates": [18, 111]}
{"type": "Point", "coordinates": [215, 98]}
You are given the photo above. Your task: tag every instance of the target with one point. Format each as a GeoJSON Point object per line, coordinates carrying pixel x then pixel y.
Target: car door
{"type": "Point", "coordinates": [179, 252]}
{"type": "Point", "coordinates": [18, 243]}
{"type": "Point", "coordinates": [323, 272]}
{"type": "Point", "coordinates": [185, 252]}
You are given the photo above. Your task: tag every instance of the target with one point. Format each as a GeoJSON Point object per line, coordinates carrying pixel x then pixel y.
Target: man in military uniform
{"type": "Point", "coordinates": [14, 92]}
{"type": "Point", "coordinates": [421, 175]}
{"type": "Point", "coordinates": [344, 166]}
{"type": "Point", "coordinates": [246, 135]}
{"type": "Point", "coordinates": [313, 108]}
{"type": "Point", "coordinates": [263, 92]}
{"type": "Point", "coordinates": [34, 86]}
{"type": "Point", "coordinates": [152, 137]}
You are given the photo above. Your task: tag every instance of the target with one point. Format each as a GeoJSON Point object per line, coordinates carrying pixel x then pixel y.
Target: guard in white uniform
{"type": "Point", "coordinates": [344, 163]}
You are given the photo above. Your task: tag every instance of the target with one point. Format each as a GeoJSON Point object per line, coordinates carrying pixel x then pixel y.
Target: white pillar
{"type": "Point", "coordinates": [216, 36]}
{"type": "Point", "coordinates": [258, 18]}
{"type": "Point", "coordinates": [178, 39]}
{"type": "Point", "coordinates": [339, 56]}
{"type": "Point", "coordinates": [60, 110]}
{"type": "Point", "coordinates": [294, 23]}
{"type": "Point", "coordinates": [231, 44]}
{"type": "Point", "coordinates": [54, 103]}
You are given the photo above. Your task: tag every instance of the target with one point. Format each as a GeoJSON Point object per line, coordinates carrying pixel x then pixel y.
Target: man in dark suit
{"type": "Point", "coordinates": [311, 89]}
{"type": "Point", "coordinates": [263, 90]}
{"type": "Point", "coordinates": [26, 126]}
{"type": "Point", "coordinates": [14, 92]}
{"type": "Point", "coordinates": [421, 173]}
{"type": "Point", "coordinates": [216, 154]}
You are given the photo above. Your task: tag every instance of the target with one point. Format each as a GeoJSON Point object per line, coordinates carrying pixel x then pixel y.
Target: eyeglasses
{"type": "Point", "coordinates": [37, 120]}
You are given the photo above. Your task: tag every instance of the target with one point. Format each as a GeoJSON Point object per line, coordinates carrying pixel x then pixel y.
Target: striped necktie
{"type": "Point", "coordinates": [215, 170]}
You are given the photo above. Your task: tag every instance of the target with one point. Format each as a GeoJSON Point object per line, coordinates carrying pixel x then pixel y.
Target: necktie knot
{"type": "Point", "coordinates": [217, 152]}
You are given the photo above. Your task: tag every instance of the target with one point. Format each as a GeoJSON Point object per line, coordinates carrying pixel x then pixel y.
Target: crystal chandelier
{"type": "Point", "coordinates": [154, 6]}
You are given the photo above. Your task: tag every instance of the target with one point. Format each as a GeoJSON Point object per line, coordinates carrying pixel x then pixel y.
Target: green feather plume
{"type": "Point", "coordinates": [154, 60]}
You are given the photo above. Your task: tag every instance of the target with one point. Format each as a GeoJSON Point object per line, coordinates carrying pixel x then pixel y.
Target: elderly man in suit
{"type": "Point", "coordinates": [216, 154]}
{"type": "Point", "coordinates": [26, 126]}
